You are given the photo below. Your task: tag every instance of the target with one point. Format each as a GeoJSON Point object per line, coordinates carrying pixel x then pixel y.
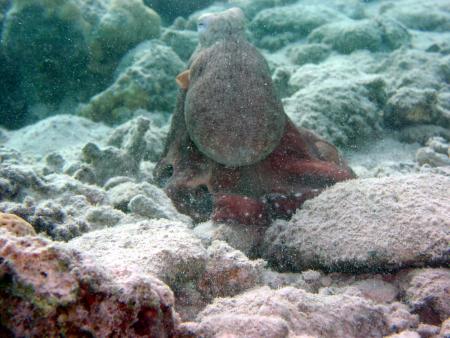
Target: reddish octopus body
{"type": "Point", "coordinates": [299, 168]}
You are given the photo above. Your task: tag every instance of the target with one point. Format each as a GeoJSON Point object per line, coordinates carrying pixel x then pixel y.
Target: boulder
{"type": "Point", "coordinates": [290, 312]}
{"type": "Point", "coordinates": [274, 28]}
{"type": "Point", "coordinates": [367, 224]}
{"type": "Point", "coordinates": [346, 36]}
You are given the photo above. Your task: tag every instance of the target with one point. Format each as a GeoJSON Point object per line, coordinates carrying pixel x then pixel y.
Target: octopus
{"type": "Point", "coordinates": [232, 154]}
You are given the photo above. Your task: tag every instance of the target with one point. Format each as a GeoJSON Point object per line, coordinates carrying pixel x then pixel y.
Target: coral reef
{"type": "Point", "coordinates": [427, 293]}
{"type": "Point", "coordinates": [144, 247]}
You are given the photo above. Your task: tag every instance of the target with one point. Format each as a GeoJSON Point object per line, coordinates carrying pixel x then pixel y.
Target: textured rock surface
{"type": "Point", "coordinates": [49, 289]}
{"type": "Point", "coordinates": [343, 107]}
{"type": "Point", "coordinates": [445, 328]}
{"type": "Point", "coordinates": [164, 248]}
{"type": "Point", "coordinates": [427, 291]}
{"type": "Point", "coordinates": [273, 28]}
{"type": "Point", "coordinates": [144, 199]}
{"type": "Point", "coordinates": [289, 311]}
{"type": "Point", "coordinates": [143, 136]}
{"type": "Point", "coordinates": [245, 239]}
{"type": "Point", "coordinates": [367, 224]}
{"type": "Point", "coordinates": [61, 133]}
{"type": "Point", "coordinates": [417, 96]}
{"type": "Point", "coordinates": [309, 53]}
{"type": "Point", "coordinates": [436, 152]}
{"type": "Point", "coordinates": [431, 15]}
{"type": "Point", "coordinates": [182, 42]}
{"type": "Point", "coordinates": [229, 272]}
{"type": "Point", "coordinates": [56, 204]}
{"type": "Point", "coordinates": [375, 35]}
{"type": "Point", "coordinates": [374, 289]}
{"type": "Point", "coordinates": [16, 225]}
{"type": "Point", "coordinates": [145, 79]}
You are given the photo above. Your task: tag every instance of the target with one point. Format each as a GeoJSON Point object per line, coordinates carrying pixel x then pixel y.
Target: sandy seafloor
{"type": "Point", "coordinates": [103, 251]}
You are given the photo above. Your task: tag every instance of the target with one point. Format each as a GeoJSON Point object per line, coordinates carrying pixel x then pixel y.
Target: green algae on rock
{"type": "Point", "coordinates": [144, 79]}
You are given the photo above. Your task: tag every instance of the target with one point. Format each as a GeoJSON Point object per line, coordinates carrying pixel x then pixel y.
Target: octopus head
{"type": "Point", "coordinates": [213, 27]}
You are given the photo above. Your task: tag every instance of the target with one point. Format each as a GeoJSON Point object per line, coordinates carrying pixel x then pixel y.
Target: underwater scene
{"type": "Point", "coordinates": [228, 169]}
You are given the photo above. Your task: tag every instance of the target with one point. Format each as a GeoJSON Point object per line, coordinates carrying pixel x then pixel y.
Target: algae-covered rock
{"type": "Point", "coordinates": [411, 106]}
{"type": "Point", "coordinates": [346, 36]}
{"type": "Point", "coordinates": [252, 7]}
{"type": "Point", "coordinates": [308, 53]}
{"type": "Point", "coordinates": [109, 162]}
{"type": "Point", "coordinates": [368, 224]}
{"type": "Point", "coordinates": [144, 199]}
{"type": "Point", "coordinates": [49, 290]}
{"type": "Point", "coordinates": [141, 137]}
{"type": "Point", "coordinates": [415, 68]}
{"type": "Point", "coordinates": [343, 110]}
{"type": "Point", "coordinates": [431, 15]}
{"type": "Point", "coordinates": [183, 42]}
{"type": "Point", "coordinates": [275, 27]}
{"type": "Point", "coordinates": [417, 88]}
{"type": "Point", "coordinates": [144, 79]}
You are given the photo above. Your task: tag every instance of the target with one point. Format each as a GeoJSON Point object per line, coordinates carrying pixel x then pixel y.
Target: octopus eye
{"type": "Point", "coordinates": [204, 21]}
{"type": "Point", "coordinates": [164, 175]}
{"type": "Point", "coordinates": [201, 27]}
